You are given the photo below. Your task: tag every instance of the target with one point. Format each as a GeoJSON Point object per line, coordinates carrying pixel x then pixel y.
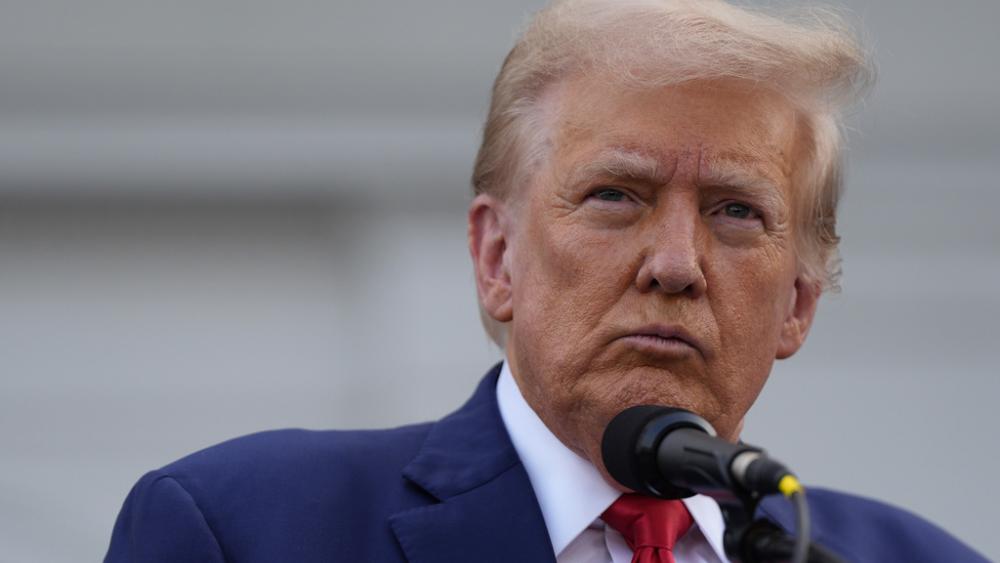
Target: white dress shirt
{"type": "Point", "coordinates": [572, 494]}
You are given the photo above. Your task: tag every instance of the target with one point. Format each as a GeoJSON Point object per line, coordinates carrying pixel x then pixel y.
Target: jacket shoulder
{"type": "Point", "coordinates": [299, 471]}
{"type": "Point", "coordinates": [862, 529]}
{"type": "Point", "coordinates": [298, 453]}
{"type": "Point", "coordinates": [272, 495]}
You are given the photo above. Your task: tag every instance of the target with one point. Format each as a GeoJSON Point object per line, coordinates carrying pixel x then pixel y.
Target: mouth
{"type": "Point", "coordinates": [670, 342]}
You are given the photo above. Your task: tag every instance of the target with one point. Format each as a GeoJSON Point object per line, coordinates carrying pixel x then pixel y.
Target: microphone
{"type": "Point", "coordinates": [673, 453]}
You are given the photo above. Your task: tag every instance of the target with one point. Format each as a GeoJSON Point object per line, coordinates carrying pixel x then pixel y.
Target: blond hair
{"type": "Point", "coordinates": [809, 55]}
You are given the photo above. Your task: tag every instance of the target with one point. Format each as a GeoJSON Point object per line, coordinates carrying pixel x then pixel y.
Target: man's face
{"type": "Point", "coordinates": [652, 260]}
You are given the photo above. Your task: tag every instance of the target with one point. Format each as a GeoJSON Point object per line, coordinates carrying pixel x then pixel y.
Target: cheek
{"type": "Point", "coordinates": [748, 293]}
{"type": "Point", "coordinates": [567, 282]}
{"type": "Point", "coordinates": [570, 275]}
{"type": "Point", "coordinates": [752, 284]}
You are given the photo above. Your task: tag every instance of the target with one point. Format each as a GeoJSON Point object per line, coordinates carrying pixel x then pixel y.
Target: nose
{"type": "Point", "coordinates": [673, 257]}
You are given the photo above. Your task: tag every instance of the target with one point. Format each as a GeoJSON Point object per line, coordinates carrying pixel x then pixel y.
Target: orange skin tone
{"type": "Point", "coordinates": [669, 208]}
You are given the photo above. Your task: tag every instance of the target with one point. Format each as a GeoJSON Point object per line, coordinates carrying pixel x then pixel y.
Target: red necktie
{"type": "Point", "coordinates": [650, 526]}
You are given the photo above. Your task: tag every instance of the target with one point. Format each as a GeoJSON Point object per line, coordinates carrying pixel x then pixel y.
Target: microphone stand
{"type": "Point", "coordinates": [750, 540]}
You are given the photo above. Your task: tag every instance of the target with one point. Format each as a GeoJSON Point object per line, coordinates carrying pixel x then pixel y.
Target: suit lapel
{"type": "Point", "coordinates": [486, 509]}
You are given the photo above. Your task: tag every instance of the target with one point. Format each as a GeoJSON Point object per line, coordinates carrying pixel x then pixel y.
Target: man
{"type": "Point", "coordinates": [653, 224]}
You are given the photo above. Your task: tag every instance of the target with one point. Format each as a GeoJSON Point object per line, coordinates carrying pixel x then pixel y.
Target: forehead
{"type": "Point", "coordinates": [725, 128]}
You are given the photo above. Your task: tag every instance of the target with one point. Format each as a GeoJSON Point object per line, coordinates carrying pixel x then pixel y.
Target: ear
{"type": "Point", "coordinates": [801, 310]}
{"type": "Point", "coordinates": [489, 249]}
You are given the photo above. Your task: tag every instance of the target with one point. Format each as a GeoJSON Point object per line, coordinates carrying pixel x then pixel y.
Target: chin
{"type": "Point", "coordinates": [685, 389]}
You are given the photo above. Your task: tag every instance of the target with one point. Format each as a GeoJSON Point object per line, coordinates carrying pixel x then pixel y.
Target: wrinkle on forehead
{"type": "Point", "coordinates": [596, 134]}
{"type": "Point", "coordinates": [627, 162]}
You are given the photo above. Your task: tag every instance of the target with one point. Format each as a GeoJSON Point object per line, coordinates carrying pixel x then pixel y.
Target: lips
{"type": "Point", "coordinates": [663, 340]}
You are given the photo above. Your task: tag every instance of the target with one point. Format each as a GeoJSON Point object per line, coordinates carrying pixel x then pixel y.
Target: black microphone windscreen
{"type": "Point", "coordinates": [618, 447]}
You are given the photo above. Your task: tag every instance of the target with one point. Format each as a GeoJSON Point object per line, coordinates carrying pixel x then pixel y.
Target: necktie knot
{"type": "Point", "coordinates": [650, 526]}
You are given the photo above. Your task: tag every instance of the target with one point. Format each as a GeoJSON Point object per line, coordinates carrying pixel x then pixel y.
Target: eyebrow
{"type": "Point", "coordinates": [735, 175]}
{"type": "Point", "coordinates": [625, 164]}
{"type": "Point", "coordinates": [721, 172]}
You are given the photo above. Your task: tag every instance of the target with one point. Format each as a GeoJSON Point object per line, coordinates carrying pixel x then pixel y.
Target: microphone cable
{"type": "Point", "coordinates": [795, 492]}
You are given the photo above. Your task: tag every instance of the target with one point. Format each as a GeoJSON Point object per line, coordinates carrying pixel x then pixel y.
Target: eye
{"type": "Point", "coordinates": [738, 211]}
{"type": "Point", "coordinates": [609, 194]}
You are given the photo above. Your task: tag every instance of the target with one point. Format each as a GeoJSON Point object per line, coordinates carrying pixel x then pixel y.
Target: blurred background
{"type": "Point", "coordinates": [223, 216]}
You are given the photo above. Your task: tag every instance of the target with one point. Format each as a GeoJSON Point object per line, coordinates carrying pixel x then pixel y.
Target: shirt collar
{"type": "Point", "coordinates": [571, 492]}
{"type": "Point", "coordinates": [708, 518]}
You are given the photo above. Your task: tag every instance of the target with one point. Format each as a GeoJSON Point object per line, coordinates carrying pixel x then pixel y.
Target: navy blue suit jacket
{"type": "Point", "coordinates": [448, 491]}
